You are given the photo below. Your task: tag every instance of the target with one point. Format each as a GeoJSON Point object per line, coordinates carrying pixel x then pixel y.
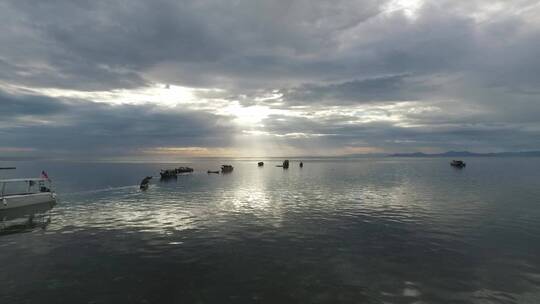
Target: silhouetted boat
{"type": "Point", "coordinates": [458, 164]}
{"type": "Point", "coordinates": [184, 170]}
{"type": "Point", "coordinates": [260, 164]}
{"type": "Point", "coordinates": [285, 164]}
{"type": "Point", "coordinates": [301, 165]}
{"type": "Point", "coordinates": [168, 173]}
{"type": "Point", "coordinates": [214, 172]}
{"type": "Point", "coordinates": [226, 168]}
{"type": "Point", "coordinates": [145, 183]}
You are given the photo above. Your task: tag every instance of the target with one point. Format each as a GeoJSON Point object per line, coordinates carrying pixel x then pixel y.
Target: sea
{"type": "Point", "coordinates": [366, 230]}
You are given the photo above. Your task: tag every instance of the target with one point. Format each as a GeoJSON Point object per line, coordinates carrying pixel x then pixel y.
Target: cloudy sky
{"type": "Point", "coordinates": [172, 78]}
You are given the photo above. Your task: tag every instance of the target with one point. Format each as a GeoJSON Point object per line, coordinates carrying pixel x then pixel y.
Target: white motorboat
{"type": "Point", "coordinates": [22, 192]}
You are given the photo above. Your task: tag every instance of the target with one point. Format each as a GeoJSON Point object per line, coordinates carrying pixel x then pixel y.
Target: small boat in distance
{"type": "Point", "coordinates": [260, 164]}
{"type": "Point", "coordinates": [169, 173]}
{"type": "Point", "coordinates": [21, 192]}
{"type": "Point", "coordinates": [226, 168]}
{"type": "Point", "coordinates": [284, 165]}
{"type": "Point", "coordinates": [458, 164]}
{"type": "Point", "coordinates": [301, 165]}
{"type": "Point", "coordinates": [184, 170]}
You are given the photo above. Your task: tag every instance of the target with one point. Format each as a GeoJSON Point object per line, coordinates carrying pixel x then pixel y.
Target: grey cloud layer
{"type": "Point", "coordinates": [95, 44]}
{"type": "Point", "coordinates": [474, 60]}
{"type": "Point", "coordinates": [391, 88]}
{"type": "Point", "coordinates": [430, 133]}
{"type": "Point", "coordinates": [191, 42]}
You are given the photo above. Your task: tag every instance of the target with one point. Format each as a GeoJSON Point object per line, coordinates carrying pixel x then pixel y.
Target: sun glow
{"type": "Point", "coordinates": [408, 7]}
{"type": "Point", "coordinates": [165, 95]}
{"type": "Point", "coordinates": [190, 151]}
{"type": "Point", "coordinates": [257, 119]}
{"type": "Point", "coordinates": [251, 115]}
{"type": "Point", "coordinates": [158, 93]}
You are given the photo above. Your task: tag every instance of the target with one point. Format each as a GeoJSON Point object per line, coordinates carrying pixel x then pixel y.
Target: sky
{"type": "Point", "coordinates": [165, 79]}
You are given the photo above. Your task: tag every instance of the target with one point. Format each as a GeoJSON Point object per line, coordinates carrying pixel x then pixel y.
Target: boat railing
{"type": "Point", "coordinates": [28, 186]}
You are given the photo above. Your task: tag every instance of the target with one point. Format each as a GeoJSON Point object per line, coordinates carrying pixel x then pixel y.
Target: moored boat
{"type": "Point", "coordinates": [226, 168]}
{"type": "Point", "coordinates": [184, 170]}
{"type": "Point", "coordinates": [260, 164]}
{"type": "Point", "coordinates": [170, 173]}
{"type": "Point", "coordinates": [22, 192]}
{"type": "Point", "coordinates": [458, 164]}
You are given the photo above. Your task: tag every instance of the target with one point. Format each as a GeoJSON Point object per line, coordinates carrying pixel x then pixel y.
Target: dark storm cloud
{"type": "Point", "coordinates": [14, 106]}
{"type": "Point", "coordinates": [391, 88]}
{"type": "Point", "coordinates": [86, 127]}
{"type": "Point", "coordinates": [94, 45]}
{"type": "Point", "coordinates": [69, 73]}
{"type": "Point", "coordinates": [187, 42]}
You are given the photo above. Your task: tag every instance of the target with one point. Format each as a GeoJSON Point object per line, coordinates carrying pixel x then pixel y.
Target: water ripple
{"type": "Point", "coordinates": [373, 232]}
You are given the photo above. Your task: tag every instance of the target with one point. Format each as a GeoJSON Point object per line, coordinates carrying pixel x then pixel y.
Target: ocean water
{"type": "Point", "coordinates": [380, 230]}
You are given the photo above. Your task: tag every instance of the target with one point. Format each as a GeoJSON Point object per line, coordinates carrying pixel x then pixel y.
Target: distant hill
{"type": "Point", "coordinates": [468, 154]}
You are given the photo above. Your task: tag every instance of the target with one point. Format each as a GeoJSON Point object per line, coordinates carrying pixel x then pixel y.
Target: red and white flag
{"type": "Point", "coordinates": [44, 174]}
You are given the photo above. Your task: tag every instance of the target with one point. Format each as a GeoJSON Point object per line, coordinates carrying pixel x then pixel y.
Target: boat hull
{"type": "Point", "coordinates": [18, 201]}
{"type": "Point", "coordinates": [23, 212]}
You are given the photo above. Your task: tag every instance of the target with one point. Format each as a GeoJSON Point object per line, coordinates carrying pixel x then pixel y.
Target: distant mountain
{"type": "Point", "coordinates": [468, 154]}
{"type": "Point", "coordinates": [362, 155]}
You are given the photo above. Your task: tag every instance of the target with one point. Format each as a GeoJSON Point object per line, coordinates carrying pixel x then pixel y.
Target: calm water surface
{"type": "Point", "coordinates": [337, 231]}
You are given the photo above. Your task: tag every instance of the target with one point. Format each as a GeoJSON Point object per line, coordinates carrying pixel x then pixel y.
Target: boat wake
{"type": "Point", "coordinates": [102, 190]}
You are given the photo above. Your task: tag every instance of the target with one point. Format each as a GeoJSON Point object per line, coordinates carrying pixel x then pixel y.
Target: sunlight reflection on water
{"type": "Point", "coordinates": [372, 231]}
